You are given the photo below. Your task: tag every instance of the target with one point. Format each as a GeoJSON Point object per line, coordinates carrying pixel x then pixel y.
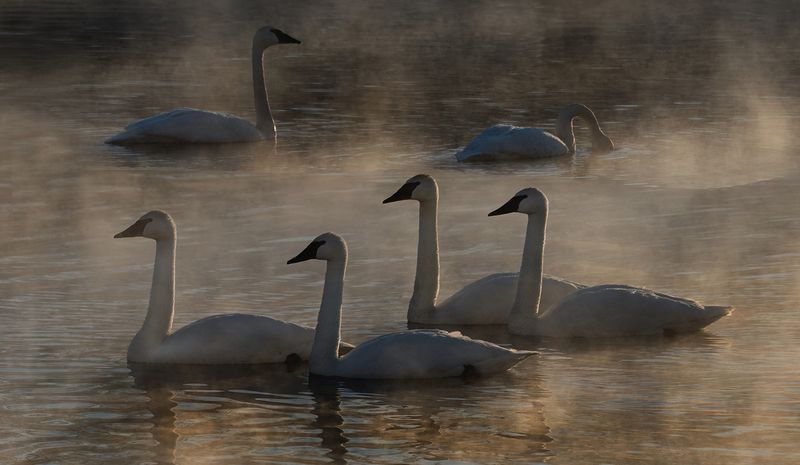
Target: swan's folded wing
{"type": "Point", "coordinates": [503, 139]}
{"type": "Point", "coordinates": [620, 310]}
{"type": "Point", "coordinates": [488, 300]}
{"type": "Point", "coordinates": [236, 339]}
{"type": "Point", "coordinates": [426, 354]}
{"type": "Point", "coordinates": [188, 125]}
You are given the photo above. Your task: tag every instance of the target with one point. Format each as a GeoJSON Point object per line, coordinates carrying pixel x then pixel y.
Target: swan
{"type": "Point", "coordinates": [486, 301]}
{"type": "Point", "coordinates": [218, 339]}
{"type": "Point", "coordinates": [608, 310]}
{"type": "Point", "coordinates": [504, 139]}
{"type": "Point", "coordinates": [188, 125]}
{"type": "Point", "coordinates": [412, 354]}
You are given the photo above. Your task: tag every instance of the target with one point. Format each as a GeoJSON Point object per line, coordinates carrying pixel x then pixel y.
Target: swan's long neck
{"type": "Point", "coordinates": [426, 283]}
{"type": "Point", "coordinates": [264, 121]}
{"type": "Point", "coordinates": [529, 286]}
{"type": "Point", "coordinates": [564, 129]}
{"type": "Point", "coordinates": [328, 333]}
{"type": "Point", "coordinates": [160, 310]}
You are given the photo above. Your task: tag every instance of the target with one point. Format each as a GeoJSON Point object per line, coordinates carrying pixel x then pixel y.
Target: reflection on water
{"type": "Point", "coordinates": [699, 200]}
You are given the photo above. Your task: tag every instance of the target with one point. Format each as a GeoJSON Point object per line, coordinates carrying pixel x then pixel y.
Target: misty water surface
{"type": "Point", "coordinates": [701, 199]}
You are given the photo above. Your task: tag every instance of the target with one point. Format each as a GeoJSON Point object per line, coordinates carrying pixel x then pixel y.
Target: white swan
{"type": "Point", "coordinates": [187, 125]}
{"type": "Point", "coordinates": [403, 355]}
{"type": "Point", "coordinates": [504, 139]}
{"type": "Point", "coordinates": [218, 339]}
{"type": "Point", "coordinates": [486, 301]}
{"type": "Point", "coordinates": [607, 310]}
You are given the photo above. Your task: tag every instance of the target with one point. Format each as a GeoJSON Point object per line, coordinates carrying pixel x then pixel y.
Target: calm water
{"type": "Point", "coordinates": [701, 200]}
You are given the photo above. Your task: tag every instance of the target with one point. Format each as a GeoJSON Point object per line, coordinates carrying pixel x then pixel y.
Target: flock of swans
{"type": "Point", "coordinates": [528, 303]}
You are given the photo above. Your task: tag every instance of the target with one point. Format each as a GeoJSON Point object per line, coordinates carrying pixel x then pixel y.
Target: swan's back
{"type": "Point", "coordinates": [488, 300]}
{"type": "Point", "coordinates": [233, 339]}
{"type": "Point", "coordinates": [419, 354]}
{"type": "Point", "coordinates": [188, 125]}
{"type": "Point", "coordinates": [513, 141]}
{"type": "Point", "coordinates": [621, 310]}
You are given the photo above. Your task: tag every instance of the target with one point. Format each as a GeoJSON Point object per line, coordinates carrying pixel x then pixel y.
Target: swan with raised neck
{"type": "Point", "coordinates": [525, 142]}
{"type": "Point", "coordinates": [486, 301]}
{"type": "Point", "coordinates": [220, 339]}
{"type": "Point", "coordinates": [189, 125]}
{"type": "Point", "coordinates": [410, 354]}
{"type": "Point", "coordinates": [608, 310]}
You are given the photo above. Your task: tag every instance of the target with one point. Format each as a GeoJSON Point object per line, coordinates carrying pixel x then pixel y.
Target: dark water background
{"type": "Point", "coordinates": [701, 200]}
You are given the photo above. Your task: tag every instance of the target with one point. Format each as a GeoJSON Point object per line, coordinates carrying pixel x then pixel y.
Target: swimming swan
{"type": "Point", "coordinates": [403, 355]}
{"type": "Point", "coordinates": [486, 301]}
{"type": "Point", "coordinates": [504, 139]}
{"type": "Point", "coordinates": [599, 311]}
{"type": "Point", "coordinates": [188, 125]}
{"type": "Point", "coordinates": [218, 339]}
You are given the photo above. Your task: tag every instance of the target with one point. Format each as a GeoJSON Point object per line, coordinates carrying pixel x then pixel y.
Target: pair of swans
{"type": "Point", "coordinates": [568, 309]}
{"type": "Point", "coordinates": [188, 125]}
{"type": "Point", "coordinates": [250, 339]}
{"type": "Point", "coordinates": [486, 301]}
{"type": "Point", "coordinates": [219, 339]}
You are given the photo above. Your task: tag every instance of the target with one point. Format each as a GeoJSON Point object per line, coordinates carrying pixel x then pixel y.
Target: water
{"type": "Point", "coordinates": [700, 200]}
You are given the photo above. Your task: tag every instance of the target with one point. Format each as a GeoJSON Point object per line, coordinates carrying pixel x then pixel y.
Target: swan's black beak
{"type": "Point", "coordinates": [284, 38]}
{"type": "Point", "coordinates": [512, 206]}
{"type": "Point", "coordinates": [134, 230]}
{"type": "Point", "coordinates": [309, 253]}
{"type": "Point", "coordinates": [404, 193]}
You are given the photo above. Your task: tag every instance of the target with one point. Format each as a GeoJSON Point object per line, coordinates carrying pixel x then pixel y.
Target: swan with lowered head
{"type": "Point", "coordinates": [609, 310]}
{"type": "Point", "coordinates": [486, 301]}
{"type": "Point", "coordinates": [521, 142]}
{"type": "Point", "coordinates": [414, 354]}
{"type": "Point", "coordinates": [188, 125]}
{"type": "Point", "coordinates": [219, 339]}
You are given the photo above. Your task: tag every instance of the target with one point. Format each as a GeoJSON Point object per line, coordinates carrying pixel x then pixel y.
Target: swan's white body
{"type": "Point", "coordinates": [226, 339]}
{"type": "Point", "coordinates": [523, 142]}
{"type": "Point", "coordinates": [191, 126]}
{"type": "Point", "coordinates": [609, 310]}
{"type": "Point", "coordinates": [188, 125]}
{"type": "Point", "coordinates": [613, 310]}
{"type": "Point", "coordinates": [413, 354]}
{"type": "Point", "coordinates": [486, 301]}
{"type": "Point", "coordinates": [219, 339]}
{"type": "Point", "coordinates": [505, 139]}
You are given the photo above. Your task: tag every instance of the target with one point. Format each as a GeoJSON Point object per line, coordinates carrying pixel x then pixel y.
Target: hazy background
{"type": "Point", "coordinates": [700, 200]}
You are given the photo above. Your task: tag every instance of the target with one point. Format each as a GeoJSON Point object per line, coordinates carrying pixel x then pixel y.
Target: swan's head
{"type": "Point", "coordinates": [327, 246]}
{"type": "Point", "coordinates": [420, 187]}
{"type": "Point", "coordinates": [602, 143]}
{"type": "Point", "coordinates": [268, 36]}
{"type": "Point", "coordinates": [529, 201]}
{"type": "Point", "coordinates": [154, 225]}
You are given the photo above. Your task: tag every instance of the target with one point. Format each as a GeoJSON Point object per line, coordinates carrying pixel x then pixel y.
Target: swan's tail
{"type": "Point", "coordinates": [502, 362]}
{"type": "Point", "coordinates": [700, 319]}
{"type": "Point", "coordinates": [123, 138]}
{"type": "Point", "coordinates": [713, 313]}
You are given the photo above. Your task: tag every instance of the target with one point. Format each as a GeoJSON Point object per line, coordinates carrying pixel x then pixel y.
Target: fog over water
{"type": "Point", "coordinates": [701, 200]}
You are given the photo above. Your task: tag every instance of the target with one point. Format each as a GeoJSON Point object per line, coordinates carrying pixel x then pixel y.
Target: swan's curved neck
{"type": "Point", "coordinates": [327, 336]}
{"type": "Point", "coordinates": [264, 121]}
{"type": "Point", "coordinates": [529, 286]}
{"type": "Point", "coordinates": [564, 129]}
{"type": "Point", "coordinates": [426, 283]}
{"type": "Point", "coordinates": [161, 308]}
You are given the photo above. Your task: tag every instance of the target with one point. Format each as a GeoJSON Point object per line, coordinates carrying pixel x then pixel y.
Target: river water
{"type": "Point", "coordinates": [700, 200]}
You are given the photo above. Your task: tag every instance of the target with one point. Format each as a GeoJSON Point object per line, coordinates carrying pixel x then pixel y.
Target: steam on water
{"type": "Point", "coordinates": [699, 200]}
